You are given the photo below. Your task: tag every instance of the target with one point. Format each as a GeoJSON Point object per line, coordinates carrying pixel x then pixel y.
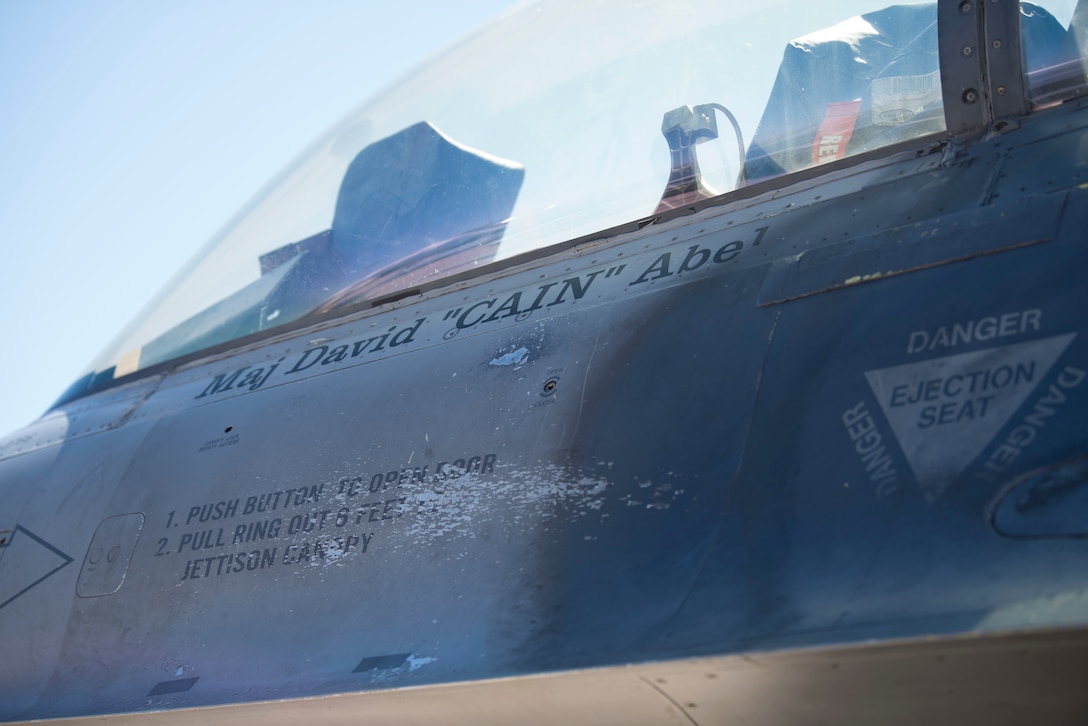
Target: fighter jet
{"type": "Point", "coordinates": [631, 362]}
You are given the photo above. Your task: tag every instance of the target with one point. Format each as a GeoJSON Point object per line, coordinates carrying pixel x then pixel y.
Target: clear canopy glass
{"type": "Point", "coordinates": [1056, 66]}
{"type": "Point", "coordinates": [554, 121]}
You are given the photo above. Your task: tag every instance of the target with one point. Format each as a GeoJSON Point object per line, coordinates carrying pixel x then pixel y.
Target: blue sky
{"type": "Point", "coordinates": [130, 131]}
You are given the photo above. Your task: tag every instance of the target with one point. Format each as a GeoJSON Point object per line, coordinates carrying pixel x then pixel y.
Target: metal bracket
{"type": "Point", "coordinates": [1003, 65]}
{"type": "Point", "coordinates": [959, 27]}
{"type": "Point", "coordinates": [982, 77]}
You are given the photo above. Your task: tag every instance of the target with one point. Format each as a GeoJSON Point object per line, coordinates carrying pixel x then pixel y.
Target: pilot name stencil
{"type": "Point", "coordinates": [305, 525]}
{"type": "Point", "coordinates": [695, 257]}
{"type": "Point", "coordinates": [672, 262]}
{"type": "Point", "coordinates": [246, 377]}
{"type": "Point", "coordinates": [964, 397]}
{"type": "Point", "coordinates": [523, 302]}
{"type": "Point", "coordinates": [252, 378]}
{"type": "Point", "coordinates": [328, 354]}
{"type": "Point", "coordinates": [685, 257]}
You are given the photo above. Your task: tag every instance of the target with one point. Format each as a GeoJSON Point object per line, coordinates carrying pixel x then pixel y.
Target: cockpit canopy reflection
{"type": "Point", "coordinates": [470, 161]}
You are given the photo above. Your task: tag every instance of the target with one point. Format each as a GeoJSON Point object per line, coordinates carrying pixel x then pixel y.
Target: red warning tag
{"type": "Point", "coordinates": [835, 131]}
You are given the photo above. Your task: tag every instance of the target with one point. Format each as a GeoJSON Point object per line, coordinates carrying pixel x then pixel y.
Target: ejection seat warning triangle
{"type": "Point", "coordinates": [945, 411]}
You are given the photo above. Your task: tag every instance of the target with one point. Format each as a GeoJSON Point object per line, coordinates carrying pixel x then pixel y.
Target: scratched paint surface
{"type": "Point", "coordinates": [657, 465]}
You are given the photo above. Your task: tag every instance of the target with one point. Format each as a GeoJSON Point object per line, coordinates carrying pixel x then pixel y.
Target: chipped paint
{"type": "Point", "coordinates": [542, 493]}
{"type": "Point", "coordinates": [417, 662]}
{"type": "Point", "coordinates": [862, 278]}
{"type": "Point", "coordinates": [516, 358]}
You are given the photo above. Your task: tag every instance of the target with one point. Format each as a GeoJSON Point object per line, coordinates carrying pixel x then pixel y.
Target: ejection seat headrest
{"type": "Point", "coordinates": [417, 188]}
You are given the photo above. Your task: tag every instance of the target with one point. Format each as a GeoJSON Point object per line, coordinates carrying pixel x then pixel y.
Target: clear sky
{"type": "Point", "coordinates": [130, 131]}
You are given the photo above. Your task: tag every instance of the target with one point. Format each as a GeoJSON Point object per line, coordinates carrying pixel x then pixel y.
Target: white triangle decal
{"type": "Point", "coordinates": [945, 411]}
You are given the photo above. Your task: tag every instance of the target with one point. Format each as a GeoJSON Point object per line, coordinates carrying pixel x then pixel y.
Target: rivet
{"type": "Point", "coordinates": [1001, 90]}
{"type": "Point", "coordinates": [997, 43]}
{"type": "Point", "coordinates": [968, 50]}
{"type": "Point", "coordinates": [970, 95]}
{"type": "Point", "coordinates": [965, 7]}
